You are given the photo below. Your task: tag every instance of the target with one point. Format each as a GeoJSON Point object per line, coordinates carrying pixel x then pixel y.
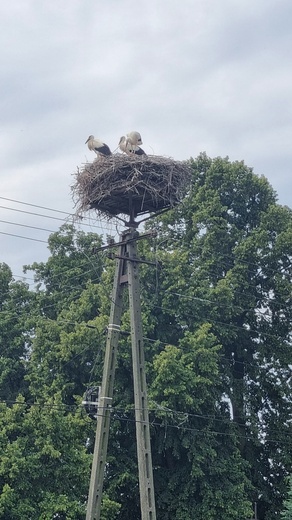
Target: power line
{"type": "Point", "coordinates": [163, 308]}
{"type": "Point", "coordinates": [46, 307]}
{"type": "Point", "coordinates": [235, 262]}
{"type": "Point", "coordinates": [47, 209]}
{"type": "Point", "coordinates": [221, 264]}
{"type": "Point", "coordinates": [245, 294]}
{"type": "Point", "coordinates": [57, 275]}
{"type": "Point", "coordinates": [264, 299]}
{"type": "Point", "coordinates": [86, 325]}
{"type": "Point", "coordinates": [213, 432]}
{"type": "Point", "coordinates": [212, 320]}
{"type": "Point", "coordinates": [32, 213]}
{"type": "Point", "coordinates": [27, 226]}
{"type": "Point", "coordinates": [26, 238]}
{"type": "Point", "coordinates": [60, 273]}
{"type": "Point", "coordinates": [205, 431]}
{"type": "Point", "coordinates": [36, 206]}
{"type": "Point", "coordinates": [23, 277]}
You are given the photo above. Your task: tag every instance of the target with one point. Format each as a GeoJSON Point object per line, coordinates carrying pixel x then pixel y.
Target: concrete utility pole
{"type": "Point", "coordinates": [105, 398]}
{"type": "Point", "coordinates": [126, 273]}
{"type": "Point", "coordinates": [146, 485]}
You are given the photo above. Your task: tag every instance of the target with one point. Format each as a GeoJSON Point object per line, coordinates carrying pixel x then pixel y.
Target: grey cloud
{"type": "Point", "coordinates": [190, 76]}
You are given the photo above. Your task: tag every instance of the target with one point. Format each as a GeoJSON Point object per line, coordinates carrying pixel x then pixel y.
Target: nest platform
{"type": "Point", "coordinates": [131, 185]}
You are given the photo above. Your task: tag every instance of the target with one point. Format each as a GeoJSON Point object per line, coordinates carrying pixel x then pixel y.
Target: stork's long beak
{"type": "Point", "coordinates": [87, 140]}
{"type": "Point", "coordinates": [121, 139]}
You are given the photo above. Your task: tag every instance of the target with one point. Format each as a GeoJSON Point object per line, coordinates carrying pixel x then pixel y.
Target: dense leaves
{"type": "Point", "coordinates": [15, 303]}
{"type": "Point", "coordinates": [226, 260]}
{"type": "Point", "coordinates": [287, 511]}
{"type": "Point", "coordinates": [216, 321]}
{"type": "Point", "coordinates": [44, 464]}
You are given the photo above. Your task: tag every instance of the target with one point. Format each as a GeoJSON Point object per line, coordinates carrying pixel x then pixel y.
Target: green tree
{"type": "Point", "coordinates": [46, 437]}
{"type": "Point", "coordinates": [225, 257]}
{"type": "Point", "coordinates": [216, 316]}
{"type": "Point", "coordinates": [67, 326]}
{"type": "Point", "coordinates": [287, 512]}
{"type": "Point", "coordinates": [199, 471]}
{"type": "Point", "coordinates": [15, 303]}
{"type": "Point", "coordinates": [71, 264]}
{"type": "Point", "coordinates": [44, 462]}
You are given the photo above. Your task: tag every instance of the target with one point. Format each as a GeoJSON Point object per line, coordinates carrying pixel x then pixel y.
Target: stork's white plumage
{"type": "Point", "coordinates": [97, 146]}
{"type": "Point", "coordinates": [134, 138]}
{"type": "Point", "coordinates": [129, 148]}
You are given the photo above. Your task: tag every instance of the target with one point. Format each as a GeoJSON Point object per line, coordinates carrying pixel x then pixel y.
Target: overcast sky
{"type": "Point", "coordinates": [190, 75]}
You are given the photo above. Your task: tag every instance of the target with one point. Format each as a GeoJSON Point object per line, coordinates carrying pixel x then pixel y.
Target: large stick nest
{"type": "Point", "coordinates": [130, 185]}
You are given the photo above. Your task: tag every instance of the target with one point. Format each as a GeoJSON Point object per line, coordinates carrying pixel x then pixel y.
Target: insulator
{"type": "Point", "coordinates": [90, 401]}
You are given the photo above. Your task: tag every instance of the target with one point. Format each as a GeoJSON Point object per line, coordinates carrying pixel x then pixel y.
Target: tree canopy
{"type": "Point", "coordinates": [287, 511]}
{"type": "Point", "coordinates": [216, 314]}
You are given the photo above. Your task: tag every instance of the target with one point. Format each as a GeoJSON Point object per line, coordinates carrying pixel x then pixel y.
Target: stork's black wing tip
{"type": "Point", "coordinates": [104, 150]}
{"type": "Point", "coordinates": [139, 151]}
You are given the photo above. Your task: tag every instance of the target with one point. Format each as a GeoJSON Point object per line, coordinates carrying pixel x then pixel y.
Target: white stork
{"type": "Point", "coordinates": [134, 138]}
{"type": "Point", "coordinates": [97, 146]}
{"type": "Point", "coordinates": [129, 148]}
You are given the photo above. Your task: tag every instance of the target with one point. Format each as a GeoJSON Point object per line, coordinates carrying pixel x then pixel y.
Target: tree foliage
{"type": "Point", "coordinates": [15, 304]}
{"type": "Point", "coordinates": [44, 464]}
{"type": "Point", "coordinates": [287, 511]}
{"type": "Point", "coordinates": [227, 260]}
{"type": "Point", "coordinates": [216, 319]}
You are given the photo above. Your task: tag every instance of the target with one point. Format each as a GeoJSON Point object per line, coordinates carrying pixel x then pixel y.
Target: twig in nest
{"type": "Point", "coordinates": [131, 185]}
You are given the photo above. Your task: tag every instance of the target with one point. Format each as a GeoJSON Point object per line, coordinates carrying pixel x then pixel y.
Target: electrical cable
{"type": "Point", "coordinates": [245, 293]}
{"type": "Point", "coordinates": [70, 287]}
{"type": "Point", "coordinates": [194, 298]}
{"type": "Point", "coordinates": [21, 236]}
{"type": "Point", "coordinates": [235, 259]}
{"type": "Point", "coordinates": [47, 209]}
{"type": "Point", "coordinates": [47, 307]}
{"type": "Point", "coordinates": [36, 206]}
{"type": "Point", "coordinates": [210, 272]}
{"type": "Point", "coordinates": [91, 225]}
{"type": "Point", "coordinates": [35, 214]}
{"type": "Point", "coordinates": [212, 320]}
{"type": "Point", "coordinates": [229, 325]}
{"type": "Point", "coordinates": [275, 271]}
{"type": "Point", "coordinates": [243, 328]}
{"type": "Point", "coordinates": [27, 226]}
{"type": "Point", "coordinates": [149, 340]}
{"type": "Point", "coordinates": [204, 431]}
{"type": "Point", "coordinates": [272, 301]}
